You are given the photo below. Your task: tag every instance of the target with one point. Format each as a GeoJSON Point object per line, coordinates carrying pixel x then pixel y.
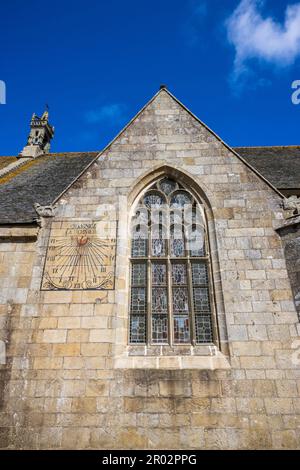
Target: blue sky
{"type": "Point", "coordinates": [96, 63]}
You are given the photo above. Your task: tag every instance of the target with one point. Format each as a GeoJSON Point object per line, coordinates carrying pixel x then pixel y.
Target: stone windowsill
{"type": "Point", "coordinates": [206, 357]}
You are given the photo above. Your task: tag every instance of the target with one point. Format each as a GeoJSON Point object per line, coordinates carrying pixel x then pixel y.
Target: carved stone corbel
{"type": "Point", "coordinates": [45, 211]}
{"type": "Point", "coordinates": [292, 206]}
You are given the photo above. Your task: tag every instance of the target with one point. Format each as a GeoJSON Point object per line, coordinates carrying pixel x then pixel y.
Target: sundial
{"type": "Point", "coordinates": [80, 256]}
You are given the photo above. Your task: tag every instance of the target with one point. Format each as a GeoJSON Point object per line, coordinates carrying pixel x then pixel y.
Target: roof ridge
{"type": "Point", "coordinates": [51, 153]}
{"type": "Point", "coordinates": [65, 153]}
{"type": "Point", "coordinates": [11, 167]}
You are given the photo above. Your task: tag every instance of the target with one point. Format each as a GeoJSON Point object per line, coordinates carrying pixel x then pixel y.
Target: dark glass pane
{"type": "Point", "coordinates": [138, 300]}
{"type": "Point", "coordinates": [159, 274]}
{"type": "Point", "coordinates": [159, 300]}
{"type": "Point", "coordinates": [167, 186]}
{"type": "Point", "coordinates": [196, 243]}
{"type": "Point", "coordinates": [198, 218]}
{"type": "Point", "coordinates": [180, 300]}
{"type": "Point", "coordinates": [139, 248]}
{"type": "Point", "coordinates": [176, 219]}
{"type": "Point", "coordinates": [160, 329]}
{"type": "Point", "coordinates": [199, 273]}
{"type": "Point", "coordinates": [181, 199]}
{"type": "Point", "coordinates": [153, 200]}
{"type": "Point", "coordinates": [201, 299]}
{"type": "Point", "coordinates": [179, 274]}
{"type": "Point", "coordinates": [141, 217]}
{"type": "Point", "coordinates": [138, 274]}
{"type": "Point", "coordinates": [199, 252]}
{"type": "Point", "coordinates": [177, 247]}
{"type": "Point", "coordinates": [158, 247]}
{"type": "Point", "coordinates": [138, 329]}
{"type": "Point", "coordinates": [182, 329]}
{"type": "Point", "coordinates": [203, 329]}
{"type": "Point", "coordinates": [159, 224]}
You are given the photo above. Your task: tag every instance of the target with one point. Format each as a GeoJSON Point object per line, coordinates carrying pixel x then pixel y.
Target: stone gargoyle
{"type": "Point", "coordinates": [45, 211]}
{"type": "Point", "coordinates": [292, 203]}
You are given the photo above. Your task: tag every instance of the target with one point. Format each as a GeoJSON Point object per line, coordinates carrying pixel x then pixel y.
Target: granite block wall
{"type": "Point", "coordinates": [72, 381]}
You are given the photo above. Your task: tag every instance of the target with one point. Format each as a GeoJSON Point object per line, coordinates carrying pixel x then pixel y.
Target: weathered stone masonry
{"type": "Point", "coordinates": [290, 233]}
{"type": "Point", "coordinates": [63, 385]}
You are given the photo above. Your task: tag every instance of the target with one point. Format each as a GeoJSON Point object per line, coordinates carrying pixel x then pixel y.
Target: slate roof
{"type": "Point", "coordinates": [40, 180]}
{"type": "Point", "coordinates": [43, 179]}
{"type": "Point", "coordinates": [279, 165]}
{"type": "Point", "coordinates": [4, 161]}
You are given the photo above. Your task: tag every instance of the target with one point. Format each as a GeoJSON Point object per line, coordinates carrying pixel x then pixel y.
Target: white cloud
{"type": "Point", "coordinates": [111, 113]}
{"type": "Point", "coordinates": [265, 39]}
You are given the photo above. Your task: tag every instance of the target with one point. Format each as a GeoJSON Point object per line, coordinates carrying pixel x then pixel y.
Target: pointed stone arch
{"type": "Point", "coordinates": [201, 194]}
{"type": "Point", "coordinates": [182, 176]}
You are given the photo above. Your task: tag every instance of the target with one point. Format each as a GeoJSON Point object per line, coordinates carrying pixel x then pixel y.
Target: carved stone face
{"type": "Point", "coordinates": [82, 240]}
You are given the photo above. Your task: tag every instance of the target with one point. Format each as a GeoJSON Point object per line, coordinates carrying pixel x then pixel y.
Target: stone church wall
{"type": "Point", "coordinates": [64, 384]}
{"type": "Point", "coordinates": [290, 233]}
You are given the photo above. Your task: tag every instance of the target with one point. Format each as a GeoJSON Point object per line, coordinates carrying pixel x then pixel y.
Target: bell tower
{"type": "Point", "coordinates": [41, 133]}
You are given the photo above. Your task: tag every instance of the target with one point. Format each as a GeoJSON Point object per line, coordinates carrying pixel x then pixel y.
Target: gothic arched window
{"type": "Point", "coordinates": [170, 270]}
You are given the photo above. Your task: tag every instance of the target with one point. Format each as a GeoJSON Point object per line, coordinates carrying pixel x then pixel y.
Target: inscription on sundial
{"type": "Point", "coordinates": [80, 256]}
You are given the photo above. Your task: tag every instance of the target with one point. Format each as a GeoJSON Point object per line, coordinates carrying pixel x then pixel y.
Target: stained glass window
{"type": "Point", "coordinates": [158, 247]}
{"type": "Point", "coordinates": [139, 274]}
{"type": "Point", "coordinates": [159, 300]}
{"type": "Point", "coordinates": [203, 329]}
{"type": "Point", "coordinates": [138, 315]}
{"type": "Point", "coordinates": [177, 246]}
{"type": "Point", "coordinates": [179, 275]}
{"type": "Point", "coordinates": [167, 186]}
{"type": "Point", "coordinates": [182, 329]}
{"type": "Point", "coordinates": [137, 329]}
{"type": "Point", "coordinates": [138, 300]}
{"type": "Point", "coordinates": [196, 243]}
{"type": "Point", "coordinates": [153, 200]}
{"type": "Point", "coordinates": [139, 247]}
{"type": "Point", "coordinates": [171, 299]}
{"type": "Point", "coordinates": [159, 274]}
{"type": "Point", "coordinates": [199, 274]}
{"type": "Point", "coordinates": [159, 329]}
{"type": "Point", "coordinates": [201, 299]}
